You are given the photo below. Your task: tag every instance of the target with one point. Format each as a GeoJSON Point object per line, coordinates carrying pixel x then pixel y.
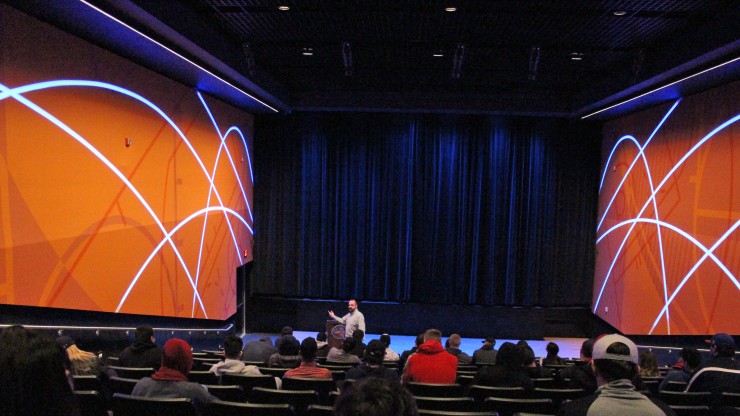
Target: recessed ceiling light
{"type": "Point", "coordinates": [619, 12]}
{"type": "Point", "coordinates": [284, 7]}
{"type": "Point", "coordinates": [307, 52]}
{"type": "Point", "coordinates": [451, 9]}
{"type": "Point", "coordinates": [576, 56]}
{"type": "Point", "coordinates": [438, 54]}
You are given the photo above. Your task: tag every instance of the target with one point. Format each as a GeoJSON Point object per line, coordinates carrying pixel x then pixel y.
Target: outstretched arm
{"type": "Point", "coordinates": [336, 318]}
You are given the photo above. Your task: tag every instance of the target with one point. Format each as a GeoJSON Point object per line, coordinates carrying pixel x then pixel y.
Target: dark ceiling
{"type": "Point", "coordinates": [512, 55]}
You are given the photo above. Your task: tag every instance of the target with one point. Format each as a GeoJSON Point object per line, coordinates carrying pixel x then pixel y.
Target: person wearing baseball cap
{"type": "Point", "coordinates": [486, 354]}
{"type": "Point", "coordinates": [722, 371]}
{"type": "Point", "coordinates": [372, 364]}
{"type": "Point", "coordinates": [615, 363]}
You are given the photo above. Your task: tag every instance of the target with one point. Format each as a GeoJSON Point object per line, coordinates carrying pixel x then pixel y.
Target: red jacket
{"type": "Point", "coordinates": [431, 364]}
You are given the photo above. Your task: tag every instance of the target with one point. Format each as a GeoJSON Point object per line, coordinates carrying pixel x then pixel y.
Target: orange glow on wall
{"type": "Point", "coordinates": [120, 190]}
{"type": "Point", "coordinates": [668, 237]}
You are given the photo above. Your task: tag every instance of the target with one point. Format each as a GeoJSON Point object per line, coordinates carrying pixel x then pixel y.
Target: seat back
{"type": "Point", "coordinates": [299, 399]}
{"type": "Point", "coordinates": [455, 404]}
{"type": "Point", "coordinates": [321, 386]}
{"type": "Point", "coordinates": [318, 410]}
{"type": "Point", "coordinates": [480, 393]}
{"type": "Point", "coordinates": [435, 390]}
{"type": "Point", "coordinates": [86, 382]}
{"type": "Point", "coordinates": [91, 403]}
{"type": "Point", "coordinates": [232, 393]}
{"type": "Point", "coordinates": [224, 408]}
{"type": "Point", "coordinates": [423, 412]}
{"type": "Point", "coordinates": [509, 406]}
{"type": "Point", "coordinates": [692, 410]}
{"type": "Point", "coordinates": [203, 377]}
{"type": "Point", "coordinates": [652, 386]}
{"type": "Point", "coordinates": [681, 398]}
{"type": "Point", "coordinates": [547, 383]}
{"type": "Point", "coordinates": [126, 405]}
{"type": "Point", "coordinates": [729, 399]}
{"type": "Point", "coordinates": [558, 396]}
{"type": "Point", "coordinates": [676, 386]}
{"type": "Point", "coordinates": [274, 371]}
{"type": "Point", "coordinates": [132, 372]}
{"type": "Point", "coordinates": [121, 385]}
{"type": "Point", "coordinates": [247, 382]}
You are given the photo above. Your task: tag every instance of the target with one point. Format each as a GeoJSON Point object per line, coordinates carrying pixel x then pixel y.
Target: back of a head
{"type": "Point", "coordinates": [232, 347]}
{"type": "Point", "coordinates": [358, 335]}
{"type": "Point", "coordinates": [724, 345]}
{"type": "Point", "coordinates": [691, 357]}
{"type": "Point", "coordinates": [286, 331]}
{"type": "Point", "coordinates": [385, 339]}
{"type": "Point", "coordinates": [434, 334]}
{"type": "Point", "coordinates": [348, 345]}
{"type": "Point", "coordinates": [527, 354]}
{"type": "Point", "coordinates": [177, 355]}
{"type": "Point", "coordinates": [321, 336]}
{"type": "Point", "coordinates": [454, 341]}
{"type": "Point", "coordinates": [33, 371]}
{"type": "Point", "coordinates": [308, 349]}
{"type": "Point", "coordinates": [552, 349]}
{"type": "Point", "coordinates": [648, 360]}
{"type": "Point", "coordinates": [587, 348]}
{"type": "Point", "coordinates": [419, 339]}
{"type": "Point", "coordinates": [289, 345]}
{"type": "Point", "coordinates": [375, 352]}
{"type": "Point", "coordinates": [375, 396]}
{"type": "Point", "coordinates": [615, 357]}
{"type": "Point", "coordinates": [509, 356]}
{"type": "Point", "coordinates": [144, 333]}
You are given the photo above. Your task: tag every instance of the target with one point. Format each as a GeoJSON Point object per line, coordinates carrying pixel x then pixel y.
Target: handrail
{"type": "Point", "coordinates": [116, 328]}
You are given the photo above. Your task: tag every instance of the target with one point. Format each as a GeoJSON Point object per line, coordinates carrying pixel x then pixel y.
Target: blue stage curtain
{"type": "Point", "coordinates": [469, 210]}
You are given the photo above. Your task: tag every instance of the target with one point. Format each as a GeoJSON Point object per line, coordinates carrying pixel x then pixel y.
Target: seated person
{"type": "Point", "coordinates": [431, 363]}
{"type": "Point", "coordinates": [82, 362]}
{"type": "Point", "coordinates": [322, 345]}
{"type": "Point", "coordinates": [343, 355]}
{"type": "Point", "coordinates": [552, 355]}
{"type": "Point", "coordinates": [390, 355]}
{"type": "Point", "coordinates": [507, 371]}
{"type": "Point", "coordinates": [308, 368]}
{"type": "Point", "coordinates": [143, 353]}
{"type": "Point", "coordinates": [259, 350]}
{"type": "Point", "coordinates": [689, 359]}
{"type": "Point", "coordinates": [287, 355]}
{"type": "Point", "coordinates": [375, 396]}
{"type": "Point", "coordinates": [372, 365]}
{"type": "Point", "coordinates": [454, 349]}
{"type": "Point", "coordinates": [359, 350]}
{"type": "Point", "coordinates": [171, 380]}
{"type": "Point", "coordinates": [232, 362]}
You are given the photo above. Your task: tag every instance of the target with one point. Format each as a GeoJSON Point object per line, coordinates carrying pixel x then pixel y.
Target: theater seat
{"type": "Point", "coordinates": [121, 385]}
{"type": "Point", "coordinates": [457, 404]}
{"type": "Point", "coordinates": [480, 393]}
{"type": "Point", "coordinates": [247, 382]}
{"type": "Point", "coordinates": [222, 408]}
{"type": "Point", "coordinates": [91, 403]}
{"type": "Point", "coordinates": [435, 390]}
{"type": "Point", "coordinates": [132, 372]}
{"type": "Point", "coordinates": [507, 406]}
{"type": "Point", "coordinates": [125, 405]}
{"type": "Point", "coordinates": [300, 399]}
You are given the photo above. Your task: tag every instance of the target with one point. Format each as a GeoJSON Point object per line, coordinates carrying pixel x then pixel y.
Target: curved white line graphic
{"type": "Point", "coordinates": [17, 92]}
{"type": "Point", "coordinates": [658, 223]}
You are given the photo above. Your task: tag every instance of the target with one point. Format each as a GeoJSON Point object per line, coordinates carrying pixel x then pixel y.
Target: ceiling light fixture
{"type": "Point", "coordinates": [451, 9]}
{"type": "Point", "coordinates": [619, 12]}
{"type": "Point", "coordinates": [576, 56]}
{"type": "Point", "coordinates": [307, 51]}
{"type": "Point", "coordinates": [284, 7]}
{"type": "Point", "coordinates": [438, 53]}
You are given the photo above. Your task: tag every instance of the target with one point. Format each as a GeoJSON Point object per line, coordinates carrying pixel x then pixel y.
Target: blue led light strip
{"type": "Point", "coordinates": [115, 19]}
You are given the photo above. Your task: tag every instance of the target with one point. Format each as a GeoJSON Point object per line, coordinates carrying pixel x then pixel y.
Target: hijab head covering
{"type": "Point", "coordinates": [177, 360]}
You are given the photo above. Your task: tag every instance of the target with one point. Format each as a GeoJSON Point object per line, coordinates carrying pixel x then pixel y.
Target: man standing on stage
{"type": "Point", "coordinates": [352, 321]}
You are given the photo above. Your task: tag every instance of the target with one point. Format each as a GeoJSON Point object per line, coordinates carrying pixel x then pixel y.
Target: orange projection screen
{"type": "Point", "coordinates": [120, 190]}
{"type": "Point", "coordinates": [668, 237]}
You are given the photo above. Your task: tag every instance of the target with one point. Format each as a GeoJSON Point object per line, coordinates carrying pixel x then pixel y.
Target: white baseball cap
{"type": "Point", "coordinates": [604, 341]}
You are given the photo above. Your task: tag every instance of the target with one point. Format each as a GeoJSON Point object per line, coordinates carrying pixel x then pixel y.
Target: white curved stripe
{"type": "Point", "coordinates": [108, 163]}
{"type": "Point", "coordinates": [168, 236]}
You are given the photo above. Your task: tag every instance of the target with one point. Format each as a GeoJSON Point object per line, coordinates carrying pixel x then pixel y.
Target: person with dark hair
{"type": "Point", "coordinates": [360, 346]}
{"type": "Point", "coordinates": [552, 357]}
{"type": "Point", "coordinates": [323, 347]}
{"type": "Point", "coordinates": [721, 372]}
{"type": "Point", "coordinates": [485, 354]}
{"type": "Point", "coordinates": [353, 321]}
{"type": "Point", "coordinates": [406, 354]}
{"type": "Point", "coordinates": [344, 354]}
{"type": "Point", "coordinates": [580, 375]}
{"type": "Point", "coordinates": [285, 334]}
{"type": "Point", "coordinates": [431, 363]}
{"type": "Point", "coordinates": [453, 348]}
{"type": "Point", "coordinates": [507, 371]}
{"type": "Point", "coordinates": [308, 368]}
{"type": "Point", "coordinates": [688, 360]}
{"type": "Point", "coordinates": [143, 353]}
{"type": "Point", "coordinates": [259, 350]}
{"type": "Point", "coordinates": [390, 355]}
{"type": "Point", "coordinates": [287, 355]}
{"type": "Point", "coordinates": [372, 365]}
{"type": "Point", "coordinates": [648, 364]}
{"type": "Point", "coordinates": [615, 364]}
{"type": "Point", "coordinates": [530, 365]}
{"type": "Point", "coordinates": [35, 380]}
{"type": "Point", "coordinates": [171, 380]}
{"type": "Point", "coordinates": [232, 362]}
{"type": "Point", "coordinates": [375, 396]}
